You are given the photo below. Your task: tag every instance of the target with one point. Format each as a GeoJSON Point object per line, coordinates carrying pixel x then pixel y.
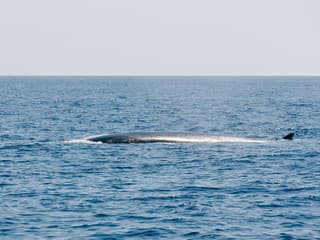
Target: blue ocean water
{"type": "Point", "coordinates": [53, 189]}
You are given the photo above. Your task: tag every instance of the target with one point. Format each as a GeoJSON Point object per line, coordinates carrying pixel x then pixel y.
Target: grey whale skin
{"type": "Point", "coordinates": [173, 138]}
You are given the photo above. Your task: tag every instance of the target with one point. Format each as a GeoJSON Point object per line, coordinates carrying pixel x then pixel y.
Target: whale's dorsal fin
{"type": "Point", "coordinates": [289, 136]}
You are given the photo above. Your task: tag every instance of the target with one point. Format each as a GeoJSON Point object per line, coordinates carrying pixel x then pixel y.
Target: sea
{"type": "Point", "coordinates": [54, 187]}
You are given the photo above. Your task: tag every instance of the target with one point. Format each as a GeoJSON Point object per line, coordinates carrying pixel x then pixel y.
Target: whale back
{"type": "Point", "coordinates": [147, 137]}
{"type": "Point", "coordinates": [168, 138]}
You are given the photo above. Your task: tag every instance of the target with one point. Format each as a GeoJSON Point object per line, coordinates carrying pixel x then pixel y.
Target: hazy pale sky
{"type": "Point", "coordinates": [160, 37]}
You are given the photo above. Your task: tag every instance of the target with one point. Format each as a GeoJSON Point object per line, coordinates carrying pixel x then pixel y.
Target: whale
{"type": "Point", "coordinates": [154, 137]}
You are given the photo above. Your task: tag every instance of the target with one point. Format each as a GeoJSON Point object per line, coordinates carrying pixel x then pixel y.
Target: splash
{"type": "Point", "coordinates": [80, 141]}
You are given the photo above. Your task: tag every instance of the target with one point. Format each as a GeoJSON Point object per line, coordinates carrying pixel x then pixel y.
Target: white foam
{"type": "Point", "coordinates": [210, 139]}
{"type": "Point", "coordinates": [81, 141]}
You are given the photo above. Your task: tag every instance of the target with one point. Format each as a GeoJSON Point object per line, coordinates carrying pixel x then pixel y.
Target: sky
{"type": "Point", "coordinates": [160, 37]}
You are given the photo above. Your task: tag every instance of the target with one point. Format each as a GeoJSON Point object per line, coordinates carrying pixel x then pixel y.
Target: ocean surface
{"type": "Point", "coordinates": [53, 187]}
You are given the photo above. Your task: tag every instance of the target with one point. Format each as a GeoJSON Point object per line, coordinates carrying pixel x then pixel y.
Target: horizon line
{"type": "Point", "coordinates": [151, 75]}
